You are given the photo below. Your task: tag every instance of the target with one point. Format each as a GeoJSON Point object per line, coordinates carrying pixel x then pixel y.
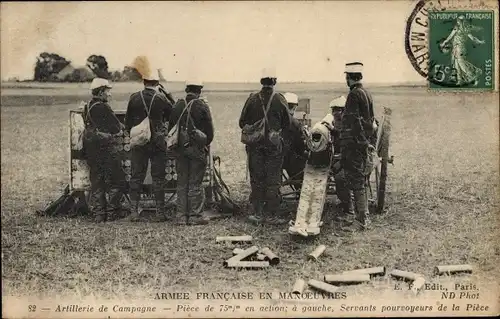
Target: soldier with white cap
{"type": "Point", "coordinates": [152, 103]}
{"type": "Point", "coordinates": [194, 120]}
{"type": "Point", "coordinates": [263, 118]}
{"type": "Point", "coordinates": [99, 140]}
{"type": "Point", "coordinates": [295, 150]}
{"type": "Point", "coordinates": [356, 134]}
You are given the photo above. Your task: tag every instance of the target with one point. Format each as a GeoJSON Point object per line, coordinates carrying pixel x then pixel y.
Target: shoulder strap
{"type": "Point", "coordinates": [369, 103]}
{"type": "Point", "coordinates": [268, 106]}
{"type": "Point", "coordinates": [88, 113]}
{"type": "Point", "coordinates": [148, 111]}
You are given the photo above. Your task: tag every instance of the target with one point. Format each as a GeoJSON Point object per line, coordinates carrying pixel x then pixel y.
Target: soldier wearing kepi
{"type": "Point", "coordinates": [295, 151]}
{"type": "Point", "coordinates": [103, 156]}
{"type": "Point", "coordinates": [263, 118]}
{"type": "Point", "coordinates": [196, 132]}
{"type": "Point", "coordinates": [358, 125]}
{"type": "Point", "coordinates": [153, 103]}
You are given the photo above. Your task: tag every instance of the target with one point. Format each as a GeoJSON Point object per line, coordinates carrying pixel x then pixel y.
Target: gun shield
{"type": "Point", "coordinates": [298, 287]}
{"type": "Point", "coordinates": [316, 284]}
{"type": "Point", "coordinates": [373, 271]}
{"type": "Point", "coordinates": [405, 275]}
{"type": "Point", "coordinates": [270, 256]}
{"type": "Point", "coordinates": [248, 264]}
{"type": "Point", "coordinates": [347, 279]}
{"type": "Point", "coordinates": [452, 269]}
{"type": "Point", "coordinates": [237, 251]}
{"type": "Point", "coordinates": [234, 239]}
{"type": "Point", "coordinates": [242, 255]}
{"type": "Point", "coordinates": [417, 285]}
{"type": "Point", "coordinates": [317, 252]}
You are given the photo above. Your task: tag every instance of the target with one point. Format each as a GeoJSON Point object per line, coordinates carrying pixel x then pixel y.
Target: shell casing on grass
{"type": "Point", "coordinates": [262, 257]}
{"type": "Point", "coordinates": [317, 252]}
{"type": "Point", "coordinates": [417, 285]}
{"type": "Point", "coordinates": [236, 251]}
{"type": "Point", "coordinates": [239, 257]}
{"type": "Point", "coordinates": [405, 275]}
{"type": "Point", "coordinates": [372, 271]}
{"type": "Point", "coordinates": [347, 278]}
{"type": "Point", "coordinates": [241, 239]}
{"type": "Point", "coordinates": [270, 256]}
{"type": "Point", "coordinates": [298, 286]}
{"type": "Point", "coordinates": [320, 285]}
{"type": "Point", "coordinates": [452, 269]}
{"type": "Point", "coordinates": [248, 264]}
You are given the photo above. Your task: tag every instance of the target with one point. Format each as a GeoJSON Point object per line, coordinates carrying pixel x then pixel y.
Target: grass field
{"type": "Point", "coordinates": [441, 208]}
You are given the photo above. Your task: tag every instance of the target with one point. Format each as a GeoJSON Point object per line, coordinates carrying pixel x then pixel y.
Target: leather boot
{"type": "Point", "coordinates": [257, 214]}
{"type": "Point", "coordinates": [160, 215]}
{"type": "Point", "coordinates": [134, 216]}
{"type": "Point", "coordinates": [101, 217]}
{"type": "Point", "coordinates": [361, 204]}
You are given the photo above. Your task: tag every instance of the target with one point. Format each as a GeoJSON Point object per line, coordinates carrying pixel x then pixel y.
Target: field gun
{"type": "Point", "coordinates": [318, 181]}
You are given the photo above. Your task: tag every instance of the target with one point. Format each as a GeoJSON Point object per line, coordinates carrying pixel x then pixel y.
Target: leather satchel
{"type": "Point", "coordinates": [252, 134]}
{"type": "Point", "coordinates": [141, 134]}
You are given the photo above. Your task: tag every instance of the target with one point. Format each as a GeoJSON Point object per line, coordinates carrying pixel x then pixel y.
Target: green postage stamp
{"type": "Point", "coordinates": [461, 50]}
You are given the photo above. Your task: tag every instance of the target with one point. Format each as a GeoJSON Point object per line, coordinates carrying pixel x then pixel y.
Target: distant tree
{"type": "Point", "coordinates": [48, 65]}
{"type": "Point", "coordinates": [131, 74]}
{"type": "Point", "coordinates": [80, 75]}
{"type": "Point", "coordinates": [99, 65]}
{"type": "Point", "coordinates": [116, 76]}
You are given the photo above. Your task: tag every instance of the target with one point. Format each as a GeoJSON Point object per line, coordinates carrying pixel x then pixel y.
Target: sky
{"type": "Point", "coordinates": [215, 41]}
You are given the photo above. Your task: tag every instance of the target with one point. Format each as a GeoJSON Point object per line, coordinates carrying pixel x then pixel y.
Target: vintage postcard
{"type": "Point", "coordinates": [250, 159]}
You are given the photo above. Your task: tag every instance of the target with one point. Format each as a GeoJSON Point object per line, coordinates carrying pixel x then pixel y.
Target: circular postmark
{"type": "Point", "coordinates": [418, 42]}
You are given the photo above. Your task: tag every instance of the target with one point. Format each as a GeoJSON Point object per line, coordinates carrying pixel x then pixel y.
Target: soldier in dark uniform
{"type": "Point", "coordinates": [265, 159]}
{"type": "Point", "coordinates": [356, 134]}
{"type": "Point", "coordinates": [295, 151]}
{"type": "Point", "coordinates": [337, 105]}
{"type": "Point", "coordinates": [159, 109]}
{"type": "Point", "coordinates": [192, 152]}
{"type": "Point", "coordinates": [102, 128]}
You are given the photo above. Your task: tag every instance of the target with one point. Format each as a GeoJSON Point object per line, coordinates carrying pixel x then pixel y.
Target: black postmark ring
{"type": "Point", "coordinates": [417, 35]}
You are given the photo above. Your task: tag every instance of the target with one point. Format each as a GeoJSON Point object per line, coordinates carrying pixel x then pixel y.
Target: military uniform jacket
{"type": "Point", "coordinates": [159, 114]}
{"type": "Point", "coordinates": [201, 117]}
{"type": "Point", "coordinates": [293, 137]}
{"type": "Point", "coordinates": [97, 114]}
{"type": "Point", "coordinates": [277, 115]}
{"type": "Point", "coordinates": [357, 116]}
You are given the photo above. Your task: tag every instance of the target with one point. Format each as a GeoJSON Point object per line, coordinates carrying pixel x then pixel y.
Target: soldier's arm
{"type": "Point", "coordinates": [105, 118]}
{"type": "Point", "coordinates": [207, 123]}
{"type": "Point", "coordinates": [243, 116]}
{"type": "Point", "coordinates": [174, 117]}
{"type": "Point", "coordinates": [286, 118]}
{"type": "Point", "coordinates": [166, 108]}
{"type": "Point", "coordinates": [128, 115]}
{"type": "Point", "coordinates": [350, 118]}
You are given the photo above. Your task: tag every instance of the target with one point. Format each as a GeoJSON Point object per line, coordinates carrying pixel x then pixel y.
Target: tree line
{"type": "Point", "coordinates": [50, 67]}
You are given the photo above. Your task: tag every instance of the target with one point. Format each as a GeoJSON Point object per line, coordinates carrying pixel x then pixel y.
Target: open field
{"type": "Point", "coordinates": [442, 204]}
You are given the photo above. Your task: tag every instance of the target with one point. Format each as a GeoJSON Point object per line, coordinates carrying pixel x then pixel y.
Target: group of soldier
{"type": "Point", "coordinates": [273, 138]}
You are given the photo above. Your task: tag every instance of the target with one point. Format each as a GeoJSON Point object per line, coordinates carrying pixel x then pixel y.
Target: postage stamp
{"type": "Point", "coordinates": [461, 50]}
